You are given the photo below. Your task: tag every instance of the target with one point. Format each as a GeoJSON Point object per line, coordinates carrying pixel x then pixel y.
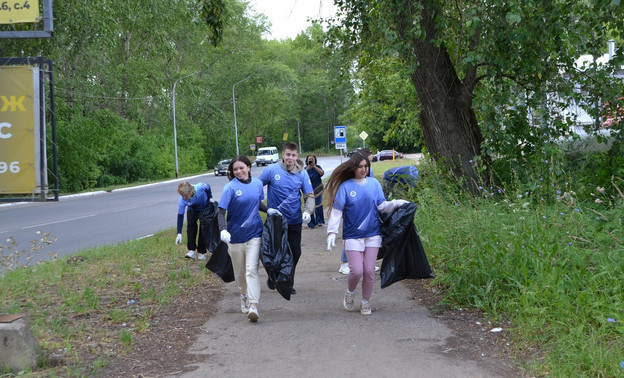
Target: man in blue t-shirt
{"type": "Point", "coordinates": [194, 199]}
{"type": "Point", "coordinates": [286, 180]}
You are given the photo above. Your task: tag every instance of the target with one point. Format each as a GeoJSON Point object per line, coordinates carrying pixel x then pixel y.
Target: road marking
{"type": "Point", "coordinates": [61, 221]}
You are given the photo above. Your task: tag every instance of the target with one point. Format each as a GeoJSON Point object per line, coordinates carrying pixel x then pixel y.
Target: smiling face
{"type": "Point", "coordinates": [361, 170]}
{"type": "Point", "coordinates": [241, 170]}
{"type": "Point", "coordinates": [290, 157]}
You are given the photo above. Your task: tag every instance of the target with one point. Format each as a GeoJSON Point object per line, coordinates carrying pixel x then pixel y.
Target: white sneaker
{"type": "Point", "coordinates": [365, 308]}
{"type": "Point", "coordinates": [190, 255]}
{"type": "Point", "coordinates": [377, 269]}
{"type": "Point", "coordinates": [201, 256]}
{"type": "Point", "coordinates": [344, 268]}
{"type": "Point", "coordinates": [252, 315]}
{"type": "Point", "coordinates": [347, 302]}
{"type": "Point", "coordinates": [244, 304]}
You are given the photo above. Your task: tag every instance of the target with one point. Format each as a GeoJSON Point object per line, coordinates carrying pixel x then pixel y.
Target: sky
{"type": "Point", "coordinates": [289, 17]}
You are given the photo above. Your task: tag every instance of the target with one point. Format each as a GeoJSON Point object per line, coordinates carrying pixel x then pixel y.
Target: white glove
{"type": "Point", "coordinates": [331, 241]}
{"type": "Point", "coordinates": [272, 211]}
{"type": "Point", "coordinates": [306, 217]}
{"type": "Point", "coordinates": [225, 236]}
{"type": "Point", "coordinates": [179, 239]}
{"type": "Point", "coordinates": [400, 202]}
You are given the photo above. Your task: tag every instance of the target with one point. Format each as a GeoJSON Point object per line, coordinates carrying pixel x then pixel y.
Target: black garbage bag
{"type": "Point", "coordinates": [220, 263]}
{"type": "Point", "coordinates": [209, 226]}
{"type": "Point", "coordinates": [276, 254]}
{"type": "Point", "coordinates": [402, 251]}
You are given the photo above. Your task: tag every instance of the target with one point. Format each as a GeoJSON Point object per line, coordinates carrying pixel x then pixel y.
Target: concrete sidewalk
{"type": "Point", "coordinates": [312, 335]}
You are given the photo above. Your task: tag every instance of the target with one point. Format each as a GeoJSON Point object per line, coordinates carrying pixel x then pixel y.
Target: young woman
{"type": "Point", "coordinates": [357, 198]}
{"type": "Point", "coordinates": [242, 198]}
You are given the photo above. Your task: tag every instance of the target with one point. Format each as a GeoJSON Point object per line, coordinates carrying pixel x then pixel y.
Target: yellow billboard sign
{"type": "Point", "coordinates": [19, 130]}
{"type": "Point", "coordinates": [17, 11]}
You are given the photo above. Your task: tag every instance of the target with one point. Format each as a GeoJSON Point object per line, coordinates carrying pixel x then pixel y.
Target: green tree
{"type": "Point", "coordinates": [451, 49]}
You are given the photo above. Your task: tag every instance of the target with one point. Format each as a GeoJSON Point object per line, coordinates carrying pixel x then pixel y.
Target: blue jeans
{"type": "Point", "coordinates": [343, 256]}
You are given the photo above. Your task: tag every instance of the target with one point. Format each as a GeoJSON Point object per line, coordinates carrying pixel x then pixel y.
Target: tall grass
{"type": "Point", "coordinates": [554, 269]}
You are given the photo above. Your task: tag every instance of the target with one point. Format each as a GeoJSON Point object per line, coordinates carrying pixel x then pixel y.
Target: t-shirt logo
{"type": "Point", "coordinates": [239, 193]}
{"type": "Point", "coordinates": [277, 177]}
{"type": "Point", "coordinates": [353, 194]}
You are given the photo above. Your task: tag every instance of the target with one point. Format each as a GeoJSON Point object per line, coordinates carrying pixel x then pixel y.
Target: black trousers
{"type": "Point", "coordinates": [294, 240]}
{"type": "Point", "coordinates": [194, 238]}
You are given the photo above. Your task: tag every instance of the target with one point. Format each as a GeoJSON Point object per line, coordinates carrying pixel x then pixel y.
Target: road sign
{"type": "Point", "coordinates": [252, 147]}
{"type": "Point", "coordinates": [340, 134]}
{"type": "Point", "coordinates": [285, 137]}
{"type": "Point", "coordinates": [258, 139]}
{"type": "Point", "coordinates": [363, 135]}
{"type": "Point", "coordinates": [341, 146]}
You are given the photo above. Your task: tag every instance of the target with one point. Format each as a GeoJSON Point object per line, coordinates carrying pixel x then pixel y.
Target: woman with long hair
{"type": "Point", "coordinates": [357, 198]}
{"type": "Point", "coordinates": [242, 198]}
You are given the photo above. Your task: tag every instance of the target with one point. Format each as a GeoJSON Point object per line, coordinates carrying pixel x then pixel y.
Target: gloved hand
{"type": "Point", "coordinates": [272, 211]}
{"type": "Point", "coordinates": [179, 239]}
{"type": "Point", "coordinates": [400, 202]}
{"type": "Point", "coordinates": [225, 236]}
{"type": "Point", "coordinates": [306, 217]}
{"type": "Point", "coordinates": [331, 241]}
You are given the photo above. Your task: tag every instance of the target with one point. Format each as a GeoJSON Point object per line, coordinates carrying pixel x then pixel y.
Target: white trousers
{"type": "Point", "coordinates": [245, 260]}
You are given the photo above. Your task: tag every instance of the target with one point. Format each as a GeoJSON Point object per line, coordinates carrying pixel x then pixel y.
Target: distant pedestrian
{"type": "Point", "coordinates": [316, 172]}
{"type": "Point", "coordinates": [194, 199]}
{"type": "Point", "coordinates": [357, 199]}
{"type": "Point", "coordinates": [242, 199]}
{"type": "Point", "coordinates": [286, 182]}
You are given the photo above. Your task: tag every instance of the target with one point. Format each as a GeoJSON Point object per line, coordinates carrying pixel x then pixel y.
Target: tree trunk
{"type": "Point", "coordinates": [450, 129]}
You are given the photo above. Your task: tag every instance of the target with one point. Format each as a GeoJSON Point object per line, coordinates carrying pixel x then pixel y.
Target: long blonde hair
{"type": "Point", "coordinates": [342, 173]}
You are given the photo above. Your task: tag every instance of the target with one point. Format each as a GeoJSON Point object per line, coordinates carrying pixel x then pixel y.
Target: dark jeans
{"type": "Point", "coordinates": [294, 240]}
{"type": "Point", "coordinates": [194, 239]}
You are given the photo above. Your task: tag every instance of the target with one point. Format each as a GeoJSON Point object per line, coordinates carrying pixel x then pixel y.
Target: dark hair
{"type": "Point", "coordinates": [365, 151]}
{"type": "Point", "coordinates": [308, 159]}
{"type": "Point", "coordinates": [291, 146]}
{"type": "Point", "coordinates": [242, 158]}
{"type": "Point", "coordinates": [342, 173]}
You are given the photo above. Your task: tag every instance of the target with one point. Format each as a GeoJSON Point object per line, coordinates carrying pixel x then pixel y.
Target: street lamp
{"type": "Point", "coordinates": [175, 133]}
{"type": "Point", "coordinates": [234, 102]}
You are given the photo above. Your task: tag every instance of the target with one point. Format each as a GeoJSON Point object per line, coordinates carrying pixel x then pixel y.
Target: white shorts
{"type": "Point", "coordinates": [362, 243]}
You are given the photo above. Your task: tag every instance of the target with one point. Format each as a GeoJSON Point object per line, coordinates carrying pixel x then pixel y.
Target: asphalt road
{"type": "Point", "coordinates": [88, 220]}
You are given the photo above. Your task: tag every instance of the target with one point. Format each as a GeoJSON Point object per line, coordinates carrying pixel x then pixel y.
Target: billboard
{"type": "Point", "coordinates": [19, 130]}
{"type": "Point", "coordinates": [18, 11]}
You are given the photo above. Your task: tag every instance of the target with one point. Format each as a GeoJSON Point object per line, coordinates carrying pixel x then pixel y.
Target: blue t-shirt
{"type": "Point", "coordinates": [199, 201]}
{"type": "Point", "coordinates": [284, 190]}
{"type": "Point", "coordinates": [241, 202]}
{"type": "Point", "coordinates": [358, 203]}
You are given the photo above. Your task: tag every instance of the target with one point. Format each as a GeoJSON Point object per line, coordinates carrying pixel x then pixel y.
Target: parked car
{"type": "Point", "coordinates": [357, 149]}
{"type": "Point", "coordinates": [222, 167]}
{"type": "Point", "coordinates": [387, 155]}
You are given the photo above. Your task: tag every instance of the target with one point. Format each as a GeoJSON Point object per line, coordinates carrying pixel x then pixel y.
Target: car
{"type": "Point", "coordinates": [222, 167]}
{"type": "Point", "coordinates": [356, 150]}
{"type": "Point", "coordinates": [387, 155]}
{"type": "Point", "coordinates": [266, 156]}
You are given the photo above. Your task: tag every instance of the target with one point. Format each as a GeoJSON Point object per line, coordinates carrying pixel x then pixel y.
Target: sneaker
{"type": "Point", "coordinates": [190, 255]}
{"type": "Point", "coordinates": [270, 284]}
{"type": "Point", "coordinates": [252, 315]}
{"type": "Point", "coordinates": [377, 269]}
{"type": "Point", "coordinates": [365, 308]}
{"type": "Point", "coordinates": [293, 291]}
{"type": "Point", "coordinates": [347, 302]}
{"type": "Point", "coordinates": [344, 268]}
{"type": "Point", "coordinates": [244, 304]}
{"type": "Point", "coordinates": [201, 256]}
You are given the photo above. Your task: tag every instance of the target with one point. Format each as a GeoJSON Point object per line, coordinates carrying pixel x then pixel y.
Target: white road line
{"type": "Point", "coordinates": [61, 221]}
